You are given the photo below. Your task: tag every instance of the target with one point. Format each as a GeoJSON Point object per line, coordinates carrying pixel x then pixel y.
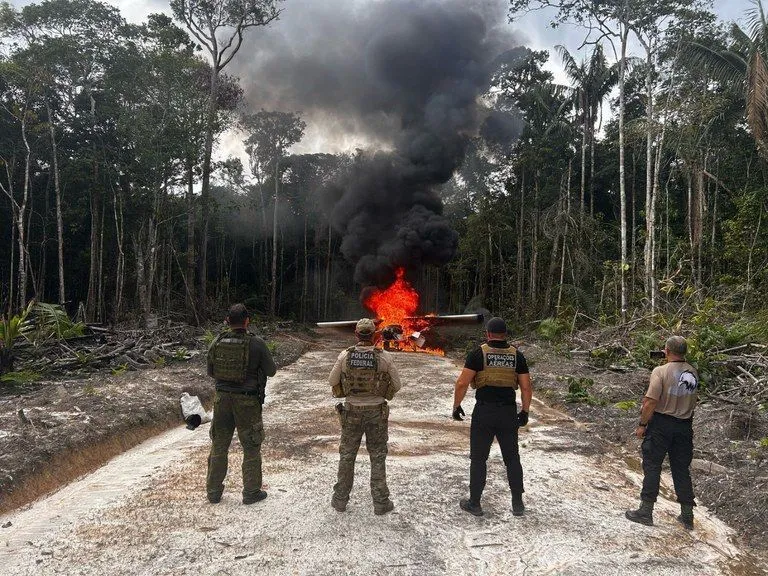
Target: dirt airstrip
{"type": "Point", "coordinates": [145, 511]}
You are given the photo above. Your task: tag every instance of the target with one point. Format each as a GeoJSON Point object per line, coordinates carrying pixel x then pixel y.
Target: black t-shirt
{"type": "Point", "coordinates": [474, 362]}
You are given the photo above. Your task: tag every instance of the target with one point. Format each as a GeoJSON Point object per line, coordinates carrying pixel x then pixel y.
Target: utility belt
{"type": "Point", "coordinates": [501, 403]}
{"type": "Point", "coordinates": [241, 393]}
{"type": "Point", "coordinates": [670, 418]}
{"type": "Point", "coordinates": [356, 408]}
{"type": "Point", "coordinates": [342, 409]}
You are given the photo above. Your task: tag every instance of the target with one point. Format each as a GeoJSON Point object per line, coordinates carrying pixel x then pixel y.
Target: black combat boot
{"type": "Point", "coordinates": [252, 499]}
{"type": "Point", "coordinates": [214, 498]}
{"type": "Point", "coordinates": [473, 508]}
{"type": "Point", "coordinates": [381, 509]}
{"type": "Point", "coordinates": [686, 516]}
{"type": "Point", "coordinates": [518, 508]}
{"type": "Point", "coordinates": [643, 515]}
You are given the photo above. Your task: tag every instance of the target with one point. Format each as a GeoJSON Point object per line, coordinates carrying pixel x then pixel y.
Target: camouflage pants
{"type": "Point", "coordinates": [235, 411]}
{"type": "Point", "coordinates": [373, 423]}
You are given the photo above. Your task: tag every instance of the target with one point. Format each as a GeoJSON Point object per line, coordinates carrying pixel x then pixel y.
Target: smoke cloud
{"type": "Point", "coordinates": [403, 76]}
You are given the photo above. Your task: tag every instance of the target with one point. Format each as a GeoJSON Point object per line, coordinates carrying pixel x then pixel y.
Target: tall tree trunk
{"type": "Point", "coordinates": [650, 207]}
{"type": "Point", "coordinates": [535, 242]}
{"type": "Point", "coordinates": [57, 189]}
{"type": "Point", "coordinates": [141, 282]}
{"type": "Point", "coordinates": [100, 309]}
{"type": "Point", "coordinates": [565, 237]}
{"type": "Point", "coordinates": [20, 216]}
{"type": "Point", "coordinates": [622, 182]}
{"type": "Point", "coordinates": [327, 274]}
{"type": "Point", "coordinates": [666, 226]}
{"type": "Point", "coordinates": [205, 193]}
{"type": "Point", "coordinates": [592, 169]}
{"type": "Point", "coordinates": [41, 277]}
{"type": "Point", "coordinates": [190, 274]}
{"type": "Point", "coordinates": [698, 230]}
{"type": "Point", "coordinates": [117, 207]}
{"type": "Point", "coordinates": [273, 294]}
{"type": "Point", "coordinates": [712, 248]}
{"type": "Point", "coordinates": [749, 258]}
{"type": "Point", "coordinates": [555, 243]}
{"type": "Point", "coordinates": [520, 243]}
{"type": "Point", "coordinates": [689, 219]}
{"type": "Point", "coordinates": [651, 255]}
{"type": "Point", "coordinates": [305, 281]}
{"type": "Point", "coordinates": [12, 279]}
{"type": "Point", "coordinates": [633, 239]}
{"type": "Point", "coordinates": [583, 160]}
{"type": "Point", "coordinates": [93, 270]}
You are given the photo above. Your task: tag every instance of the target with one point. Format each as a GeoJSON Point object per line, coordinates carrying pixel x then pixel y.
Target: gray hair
{"type": "Point", "coordinates": [676, 345]}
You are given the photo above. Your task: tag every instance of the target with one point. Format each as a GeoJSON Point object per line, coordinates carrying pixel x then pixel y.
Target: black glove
{"type": "Point", "coordinates": [522, 418]}
{"type": "Point", "coordinates": [193, 421]}
{"type": "Point", "coordinates": [458, 412]}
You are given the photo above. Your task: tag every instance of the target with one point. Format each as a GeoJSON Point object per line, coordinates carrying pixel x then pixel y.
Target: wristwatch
{"type": "Point", "coordinates": [642, 424]}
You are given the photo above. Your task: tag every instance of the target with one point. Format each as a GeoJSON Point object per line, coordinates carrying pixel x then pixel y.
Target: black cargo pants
{"type": "Point", "coordinates": [491, 420]}
{"type": "Point", "coordinates": [668, 435]}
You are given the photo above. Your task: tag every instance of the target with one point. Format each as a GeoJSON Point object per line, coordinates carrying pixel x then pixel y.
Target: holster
{"type": "Point", "coordinates": [340, 412]}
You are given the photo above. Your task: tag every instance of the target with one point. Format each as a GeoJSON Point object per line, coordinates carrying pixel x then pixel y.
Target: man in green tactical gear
{"type": "Point", "coordinates": [366, 378]}
{"type": "Point", "coordinates": [240, 363]}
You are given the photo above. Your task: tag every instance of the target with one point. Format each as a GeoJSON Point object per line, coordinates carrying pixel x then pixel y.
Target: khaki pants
{"type": "Point", "coordinates": [371, 422]}
{"type": "Point", "coordinates": [235, 411]}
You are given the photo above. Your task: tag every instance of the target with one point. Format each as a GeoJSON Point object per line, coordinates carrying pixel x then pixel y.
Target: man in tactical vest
{"type": "Point", "coordinates": [366, 378]}
{"type": "Point", "coordinates": [495, 370]}
{"type": "Point", "coordinates": [666, 427]}
{"type": "Point", "coordinates": [240, 362]}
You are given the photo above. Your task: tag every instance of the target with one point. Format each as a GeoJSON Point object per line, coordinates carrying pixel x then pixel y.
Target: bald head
{"type": "Point", "coordinates": [676, 346]}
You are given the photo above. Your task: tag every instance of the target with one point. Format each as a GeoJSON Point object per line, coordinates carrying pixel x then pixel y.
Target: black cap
{"type": "Point", "coordinates": [496, 325]}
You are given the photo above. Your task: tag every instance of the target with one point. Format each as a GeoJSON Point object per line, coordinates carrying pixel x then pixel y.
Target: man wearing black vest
{"type": "Point", "coordinates": [495, 370]}
{"type": "Point", "coordinates": [240, 363]}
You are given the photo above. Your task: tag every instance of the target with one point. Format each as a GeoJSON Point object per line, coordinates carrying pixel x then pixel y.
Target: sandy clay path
{"type": "Point", "coordinates": [145, 511]}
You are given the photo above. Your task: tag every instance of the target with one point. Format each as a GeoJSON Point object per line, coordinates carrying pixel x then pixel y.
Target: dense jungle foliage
{"type": "Point", "coordinates": [636, 190]}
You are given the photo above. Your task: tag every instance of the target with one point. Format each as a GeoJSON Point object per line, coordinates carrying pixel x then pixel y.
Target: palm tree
{"type": "Point", "coordinates": [744, 62]}
{"type": "Point", "coordinates": [592, 81]}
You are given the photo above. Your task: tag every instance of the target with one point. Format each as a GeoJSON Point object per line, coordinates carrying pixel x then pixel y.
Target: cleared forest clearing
{"type": "Point", "coordinates": [145, 511]}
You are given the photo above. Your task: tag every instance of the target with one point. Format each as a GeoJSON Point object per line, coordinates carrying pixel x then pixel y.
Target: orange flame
{"type": "Point", "coordinates": [397, 304]}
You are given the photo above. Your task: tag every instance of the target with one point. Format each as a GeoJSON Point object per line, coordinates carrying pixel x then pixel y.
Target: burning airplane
{"type": "Point", "coordinates": [398, 328]}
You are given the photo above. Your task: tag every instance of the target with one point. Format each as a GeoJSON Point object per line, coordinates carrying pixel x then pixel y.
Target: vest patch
{"type": "Point", "coordinates": [365, 360]}
{"type": "Point", "coordinates": [495, 360]}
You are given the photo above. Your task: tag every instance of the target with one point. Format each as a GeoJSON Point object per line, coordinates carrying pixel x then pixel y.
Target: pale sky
{"type": "Point", "coordinates": [533, 28]}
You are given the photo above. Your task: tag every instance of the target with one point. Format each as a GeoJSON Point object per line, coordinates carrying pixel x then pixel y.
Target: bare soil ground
{"type": "Point", "coordinates": [53, 432]}
{"type": "Point", "coordinates": [145, 511]}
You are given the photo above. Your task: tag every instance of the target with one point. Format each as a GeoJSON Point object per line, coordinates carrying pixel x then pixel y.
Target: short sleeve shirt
{"type": "Point", "coordinates": [675, 387]}
{"type": "Point", "coordinates": [474, 362]}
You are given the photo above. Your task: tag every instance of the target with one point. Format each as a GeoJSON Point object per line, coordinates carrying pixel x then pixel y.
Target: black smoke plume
{"type": "Point", "coordinates": [408, 76]}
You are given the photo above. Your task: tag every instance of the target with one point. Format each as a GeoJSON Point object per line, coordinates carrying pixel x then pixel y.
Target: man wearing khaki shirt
{"type": "Point", "coordinates": [666, 427]}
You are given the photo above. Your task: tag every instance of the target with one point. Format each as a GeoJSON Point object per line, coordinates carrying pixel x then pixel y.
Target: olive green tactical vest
{"type": "Point", "coordinates": [361, 374]}
{"type": "Point", "coordinates": [499, 368]}
{"type": "Point", "coordinates": [229, 355]}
